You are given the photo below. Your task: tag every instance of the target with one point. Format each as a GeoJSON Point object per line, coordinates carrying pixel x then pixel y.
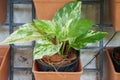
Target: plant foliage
{"type": "Point", "coordinates": [66, 27]}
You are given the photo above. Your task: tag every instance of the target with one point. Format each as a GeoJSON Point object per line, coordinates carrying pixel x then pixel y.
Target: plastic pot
{"type": "Point", "coordinates": [45, 9]}
{"type": "Point", "coordinates": [71, 67]}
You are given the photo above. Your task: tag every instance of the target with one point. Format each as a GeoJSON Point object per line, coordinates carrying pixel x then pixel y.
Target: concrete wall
{"type": "Point", "coordinates": [23, 57]}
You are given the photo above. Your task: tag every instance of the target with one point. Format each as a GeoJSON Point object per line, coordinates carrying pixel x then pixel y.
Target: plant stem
{"type": "Point", "coordinates": [63, 48]}
{"type": "Point", "coordinates": [75, 0]}
{"type": "Point", "coordinates": [68, 49]}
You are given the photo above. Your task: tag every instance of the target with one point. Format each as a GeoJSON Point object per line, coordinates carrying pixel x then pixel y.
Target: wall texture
{"type": "Point", "coordinates": [23, 57]}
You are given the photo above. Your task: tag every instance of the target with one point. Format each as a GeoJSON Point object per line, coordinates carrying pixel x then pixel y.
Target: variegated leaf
{"type": "Point", "coordinates": [25, 33]}
{"type": "Point", "coordinates": [45, 47]}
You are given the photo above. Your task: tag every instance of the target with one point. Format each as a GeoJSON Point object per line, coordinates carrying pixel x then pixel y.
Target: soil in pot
{"type": "Point", "coordinates": [60, 63]}
{"type": "Point", "coordinates": [115, 55]}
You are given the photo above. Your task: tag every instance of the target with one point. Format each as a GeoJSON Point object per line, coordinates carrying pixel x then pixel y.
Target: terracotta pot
{"type": "Point", "coordinates": [116, 0]}
{"type": "Point", "coordinates": [3, 10]}
{"type": "Point", "coordinates": [4, 61]}
{"type": "Point", "coordinates": [112, 74]}
{"type": "Point", "coordinates": [115, 56]}
{"type": "Point", "coordinates": [45, 9]}
{"type": "Point", "coordinates": [115, 14]}
{"type": "Point", "coordinates": [40, 75]}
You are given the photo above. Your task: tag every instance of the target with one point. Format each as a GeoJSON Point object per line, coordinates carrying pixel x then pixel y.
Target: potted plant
{"type": "Point", "coordinates": [3, 10]}
{"type": "Point", "coordinates": [45, 9]}
{"type": "Point", "coordinates": [58, 42]}
{"type": "Point", "coordinates": [4, 62]}
{"type": "Point", "coordinates": [113, 63]}
{"type": "Point", "coordinates": [114, 14]}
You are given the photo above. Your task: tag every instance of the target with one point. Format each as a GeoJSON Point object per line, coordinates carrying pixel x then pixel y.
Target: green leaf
{"type": "Point", "coordinates": [94, 36]}
{"type": "Point", "coordinates": [63, 18]}
{"type": "Point", "coordinates": [49, 28]}
{"type": "Point", "coordinates": [45, 47]}
{"type": "Point", "coordinates": [71, 10]}
{"type": "Point", "coordinates": [89, 37]}
{"type": "Point", "coordinates": [76, 43]}
{"type": "Point", "coordinates": [62, 36]}
{"type": "Point", "coordinates": [78, 46]}
{"type": "Point", "coordinates": [45, 27]}
{"type": "Point", "coordinates": [25, 33]}
{"type": "Point", "coordinates": [78, 27]}
{"type": "Point", "coordinates": [67, 27]}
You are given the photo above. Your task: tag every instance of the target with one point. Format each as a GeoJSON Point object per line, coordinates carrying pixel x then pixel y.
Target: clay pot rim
{"type": "Point", "coordinates": [4, 57]}
{"type": "Point", "coordinates": [116, 1]}
{"type": "Point", "coordinates": [52, 1]}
